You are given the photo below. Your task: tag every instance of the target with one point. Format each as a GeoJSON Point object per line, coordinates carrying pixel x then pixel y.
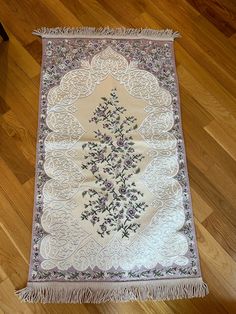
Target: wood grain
{"type": "Point", "coordinates": [206, 67]}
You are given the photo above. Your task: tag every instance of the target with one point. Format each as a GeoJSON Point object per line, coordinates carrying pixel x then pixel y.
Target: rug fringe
{"type": "Point", "coordinates": [163, 34]}
{"type": "Point", "coordinates": [59, 292]}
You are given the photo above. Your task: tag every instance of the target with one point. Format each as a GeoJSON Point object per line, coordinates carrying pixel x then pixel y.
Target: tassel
{"type": "Point", "coordinates": [78, 32]}
{"type": "Point", "coordinates": [99, 292]}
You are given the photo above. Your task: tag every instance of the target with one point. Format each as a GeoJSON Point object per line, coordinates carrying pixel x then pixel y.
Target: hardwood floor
{"type": "Point", "coordinates": [206, 65]}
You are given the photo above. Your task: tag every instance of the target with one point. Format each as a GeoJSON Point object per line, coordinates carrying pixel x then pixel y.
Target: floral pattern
{"type": "Point", "coordinates": [116, 205]}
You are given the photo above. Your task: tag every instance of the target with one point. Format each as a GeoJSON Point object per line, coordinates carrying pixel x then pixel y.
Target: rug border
{"type": "Point", "coordinates": [185, 159]}
{"type": "Point", "coordinates": [37, 159]}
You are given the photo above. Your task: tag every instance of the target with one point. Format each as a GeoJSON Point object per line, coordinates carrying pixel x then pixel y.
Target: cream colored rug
{"type": "Point", "coordinates": [113, 217]}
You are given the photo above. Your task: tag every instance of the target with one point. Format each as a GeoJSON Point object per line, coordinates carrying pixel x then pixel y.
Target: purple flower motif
{"type": "Point", "coordinates": [103, 200]}
{"type": "Point", "coordinates": [122, 190]}
{"type": "Point", "coordinates": [121, 214]}
{"type": "Point", "coordinates": [100, 113]}
{"type": "Point", "coordinates": [103, 228]}
{"type": "Point", "coordinates": [49, 53]}
{"type": "Point", "coordinates": [120, 142]}
{"type": "Point", "coordinates": [100, 157]}
{"type": "Point", "coordinates": [131, 212]}
{"type": "Point", "coordinates": [94, 219]}
{"type": "Point", "coordinates": [133, 198]}
{"type": "Point", "coordinates": [94, 169]}
{"type": "Point", "coordinates": [128, 162]}
{"type": "Point", "coordinates": [126, 145]}
{"type": "Point", "coordinates": [108, 184]}
{"type": "Point", "coordinates": [107, 138]}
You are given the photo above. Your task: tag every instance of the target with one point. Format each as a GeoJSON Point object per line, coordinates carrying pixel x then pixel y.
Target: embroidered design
{"type": "Point", "coordinates": [151, 245]}
{"type": "Point", "coordinates": [141, 84]}
{"type": "Point", "coordinates": [113, 161]}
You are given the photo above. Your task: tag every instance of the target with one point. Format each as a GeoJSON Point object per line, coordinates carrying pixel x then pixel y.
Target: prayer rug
{"type": "Point", "coordinates": [113, 217]}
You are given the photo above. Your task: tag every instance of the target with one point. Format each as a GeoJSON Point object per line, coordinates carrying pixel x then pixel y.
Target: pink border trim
{"type": "Point", "coordinates": [36, 162]}
{"type": "Point", "coordinates": [185, 159]}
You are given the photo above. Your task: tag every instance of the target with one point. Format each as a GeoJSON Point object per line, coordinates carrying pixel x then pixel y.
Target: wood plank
{"type": "Point", "coordinates": [223, 230]}
{"type": "Point", "coordinates": [21, 57]}
{"type": "Point", "coordinates": [220, 269]}
{"type": "Point", "coordinates": [9, 303]}
{"type": "Point", "coordinates": [225, 140]}
{"type": "Point", "coordinates": [29, 14]}
{"type": "Point", "coordinates": [223, 183]}
{"type": "Point", "coordinates": [35, 49]}
{"type": "Point", "coordinates": [209, 151]}
{"type": "Point", "coordinates": [14, 192]}
{"type": "Point", "coordinates": [22, 108]}
{"type": "Point", "coordinates": [3, 106]}
{"type": "Point", "coordinates": [197, 42]}
{"type": "Point", "coordinates": [117, 10]}
{"type": "Point", "coordinates": [222, 109]}
{"type": "Point", "coordinates": [18, 233]}
{"type": "Point", "coordinates": [192, 106]}
{"type": "Point", "coordinates": [12, 263]}
{"type": "Point", "coordinates": [201, 208]}
{"type": "Point", "coordinates": [218, 13]}
{"type": "Point", "coordinates": [14, 158]}
{"type": "Point", "coordinates": [63, 14]}
{"type": "Point", "coordinates": [91, 17]}
{"type": "Point", "coordinates": [22, 139]}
